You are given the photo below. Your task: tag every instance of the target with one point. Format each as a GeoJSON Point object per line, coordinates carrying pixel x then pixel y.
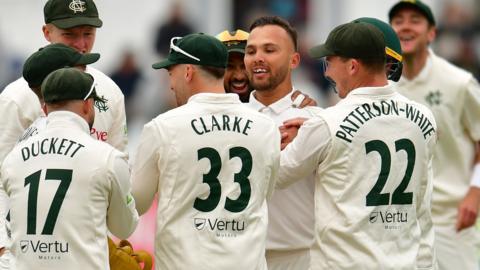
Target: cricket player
{"type": "Point", "coordinates": [393, 49]}
{"type": "Point", "coordinates": [212, 161]}
{"type": "Point", "coordinates": [72, 23]}
{"type": "Point", "coordinates": [453, 95]}
{"type": "Point", "coordinates": [270, 58]}
{"type": "Point", "coordinates": [45, 61]}
{"type": "Point", "coordinates": [66, 189]}
{"type": "Point", "coordinates": [372, 156]}
{"type": "Point", "coordinates": [236, 78]}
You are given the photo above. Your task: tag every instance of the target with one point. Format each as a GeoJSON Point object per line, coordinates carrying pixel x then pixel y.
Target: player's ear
{"type": "Point", "coordinates": [44, 108]}
{"type": "Point", "coordinates": [432, 32]}
{"type": "Point", "coordinates": [353, 66]}
{"type": "Point", "coordinates": [46, 32]}
{"type": "Point", "coordinates": [295, 61]}
{"type": "Point", "coordinates": [87, 106]}
{"type": "Point", "coordinates": [189, 72]}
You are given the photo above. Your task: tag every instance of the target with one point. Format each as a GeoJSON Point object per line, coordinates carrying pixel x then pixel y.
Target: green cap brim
{"type": "Point", "coordinates": [88, 58]}
{"type": "Point", "coordinates": [163, 64]}
{"type": "Point", "coordinates": [237, 50]}
{"type": "Point", "coordinates": [424, 9]}
{"type": "Point", "coordinates": [240, 47]}
{"type": "Point", "coordinates": [320, 51]}
{"type": "Point", "coordinates": [77, 21]}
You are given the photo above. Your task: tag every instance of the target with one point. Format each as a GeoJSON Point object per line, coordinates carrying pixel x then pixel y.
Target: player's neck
{"type": "Point", "coordinates": [209, 87]}
{"type": "Point", "coordinates": [414, 63]}
{"type": "Point", "coordinates": [270, 96]}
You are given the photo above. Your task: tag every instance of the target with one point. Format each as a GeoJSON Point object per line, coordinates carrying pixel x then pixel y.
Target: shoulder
{"type": "Point", "coordinates": [452, 72]}
{"type": "Point", "coordinates": [19, 92]}
{"type": "Point", "coordinates": [37, 126]}
{"type": "Point", "coordinates": [106, 86]}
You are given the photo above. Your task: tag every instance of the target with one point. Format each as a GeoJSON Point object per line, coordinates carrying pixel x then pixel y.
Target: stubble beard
{"type": "Point", "coordinates": [271, 83]}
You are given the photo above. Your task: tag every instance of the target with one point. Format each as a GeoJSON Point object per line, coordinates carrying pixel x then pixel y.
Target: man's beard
{"type": "Point", "coordinates": [272, 82]}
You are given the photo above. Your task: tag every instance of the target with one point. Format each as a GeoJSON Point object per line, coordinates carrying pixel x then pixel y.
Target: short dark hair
{"type": "Point", "coordinates": [374, 64]}
{"type": "Point", "coordinates": [215, 72]}
{"type": "Point", "coordinates": [276, 20]}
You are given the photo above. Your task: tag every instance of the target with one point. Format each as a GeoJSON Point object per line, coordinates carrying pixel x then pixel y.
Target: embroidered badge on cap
{"type": "Point", "coordinates": [77, 5]}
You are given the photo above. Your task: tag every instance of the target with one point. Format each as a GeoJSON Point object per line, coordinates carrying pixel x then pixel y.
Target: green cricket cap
{"type": "Point", "coordinates": [416, 4]}
{"type": "Point", "coordinates": [392, 43]}
{"type": "Point", "coordinates": [53, 57]}
{"type": "Point", "coordinates": [66, 14]}
{"type": "Point", "coordinates": [353, 40]}
{"type": "Point", "coordinates": [69, 84]}
{"type": "Point", "coordinates": [235, 41]}
{"type": "Point", "coordinates": [198, 49]}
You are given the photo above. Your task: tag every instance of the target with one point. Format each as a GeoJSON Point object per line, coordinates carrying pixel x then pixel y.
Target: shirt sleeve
{"type": "Point", "coordinates": [303, 155]}
{"type": "Point", "coordinates": [471, 109]}
{"type": "Point", "coordinates": [275, 135]}
{"type": "Point", "coordinates": [118, 133]}
{"type": "Point", "coordinates": [122, 217]}
{"type": "Point", "coordinates": [4, 240]}
{"type": "Point", "coordinates": [13, 124]}
{"type": "Point", "coordinates": [5, 230]}
{"type": "Point", "coordinates": [145, 174]}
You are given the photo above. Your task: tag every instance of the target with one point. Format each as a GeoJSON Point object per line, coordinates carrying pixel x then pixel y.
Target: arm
{"type": "Point", "coordinates": [13, 124]}
{"type": "Point", "coordinates": [145, 173]}
{"type": "Point", "coordinates": [289, 130]}
{"type": "Point", "coordinates": [468, 208]}
{"type": "Point", "coordinates": [426, 253]}
{"type": "Point", "coordinates": [275, 164]}
{"type": "Point", "coordinates": [4, 239]}
{"type": "Point", "coordinates": [302, 157]}
{"type": "Point", "coordinates": [122, 217]}
{"type": "Point", "coordinates": [118, 132]}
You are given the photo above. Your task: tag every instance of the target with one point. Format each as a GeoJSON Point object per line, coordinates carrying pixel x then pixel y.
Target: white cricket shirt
{"type": "Point", "coordinates": [212, 163]}
{"type": "Point", "coordinates": [453, 95]}
{"type": "Point", "coordinates": [372, 154]}
{"type": "Point", "coordinates": [66, 191]}
{"type": "Point", "coordinates": [291, 216]}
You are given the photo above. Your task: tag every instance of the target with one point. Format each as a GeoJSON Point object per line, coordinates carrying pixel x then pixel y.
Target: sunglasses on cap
{"type": "Point", "coordinates": [179, 50]}
{"type": "Point", "coordinates": [232, 38]}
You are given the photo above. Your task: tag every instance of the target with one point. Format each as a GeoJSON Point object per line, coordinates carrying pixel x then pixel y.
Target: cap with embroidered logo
{"type": "Point", "coordinates": [69, 84]}
{"type": "Point", "coordinates": [416, 4]}
{"type": "Point", "coordinates": [353, 40]}
{"type": "Point", "coordinates": [198, 49]}
{"type": "Point", "coordinates": [66, 14]}
{"type": "Point", "coordinates": [53, 57]}
{"type": "Point", "coordinates": [235, 41]}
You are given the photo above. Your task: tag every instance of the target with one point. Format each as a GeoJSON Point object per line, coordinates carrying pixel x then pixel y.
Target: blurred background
{"type": "Point", "coordinates": [135, 34]}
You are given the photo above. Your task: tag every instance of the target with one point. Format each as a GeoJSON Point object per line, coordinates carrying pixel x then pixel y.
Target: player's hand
{"type": "Point", "coordinates": [288, 134]}
{"type": "Point", "coordinates": [468, 209]}
{"type": "Point", "coordinates": [289, 130]}
{"type": "Point", "coordinates": [301, 100]}
{"type": "Point", "coordinates": [2, 251]}
{"type": "Point", "coordinates": [123, 257]}
{"type": "Point", "coordinates": [294, 122]}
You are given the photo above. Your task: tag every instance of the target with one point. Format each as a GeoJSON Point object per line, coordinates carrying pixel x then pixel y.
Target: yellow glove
{"type": "Point", "coordinates": [123, 257]}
